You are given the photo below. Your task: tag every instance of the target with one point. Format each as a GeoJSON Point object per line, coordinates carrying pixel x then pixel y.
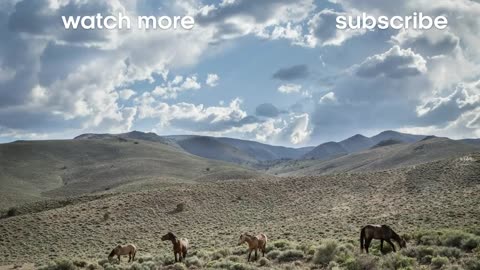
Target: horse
{"type": "Point", "coordinates": [254, 243]}
{"type": "Point", "coordinates": [180, 246]}
{"type": "Point", "coordinates": [381, 232]}
{"type": "Point", "coordinates": [120, 250]}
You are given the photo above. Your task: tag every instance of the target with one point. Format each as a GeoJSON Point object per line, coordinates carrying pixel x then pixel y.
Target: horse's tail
{"type": "Point", "coordinates": [362, 239]}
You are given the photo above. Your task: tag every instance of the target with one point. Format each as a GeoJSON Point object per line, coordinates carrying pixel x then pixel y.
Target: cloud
{"type": "Point", "coordinates": [267, 110]}
{"type": "Point", "coordinates": [328, 98]}
{"type": "Point", "coordinates": [395, 63]}
{"type": "Point", "coordinates": [322, 30]}
{"type": "Point", "coordinates": [233, 19]}
{"type": "Point", "coordinates": [429, 43]}
{"type": "Point", "coordinates": [439, 109]}
{"type": "Point", "coordinates": [212, 80]}
{"type": "Point", "coordinates": [299, 130]}
{"type": "Point", "coordinates": [291, 73]}
{"type": "Point", "coordinates": [126, 94]}
{"type": "Point", "coordinates": [171, 89]}
{"type": "Point", "coordinates": [289, 88]}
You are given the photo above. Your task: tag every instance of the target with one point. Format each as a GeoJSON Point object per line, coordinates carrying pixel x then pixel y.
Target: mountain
{"type": "Point", "coordinates": [358, 143]}
{"type": "Point", "coordinates": [471, 141]}
{"type": "Point", "coordinates": [397, 155]}
{"type": "Point", "coordinates": [34, 170]}
{"type": "Point", "coordinates": [326, 151]}
{"type": "Point", "coordinates": [212, 148]}
{"type": "Point", "coordinates": [265, 152]}
{"type": "Point", "coordinates": [394, 135]}
{"type": "Point", "coordinates": [238, 150]}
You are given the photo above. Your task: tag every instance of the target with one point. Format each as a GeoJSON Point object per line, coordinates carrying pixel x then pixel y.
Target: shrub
{"type": "Point", "coordinates": [193, 261]}
{"type": "Point", "coordinates": [12, 212]}
{"type": "Point", "coordinates": [362, 262]}
{"type": "Point", "coordinates": [180, 207]}
{"type": "Point", "coordinates": [472, 264]}
{"type": "Point", "coordinates": [81, 264]}
{"type": "Point", "coordinates": [395, 261]}
{"type": "Point", "coordinates": [280, 244]}
{"type": "Point", "coordinates": [325, 252]}
{"type": "Point", "coordinates": [272, 255]}
{"type": "Point", "coordinates": [471, 243]}
{"type": "Point", "coordinates": [220, 253]}
{"type": "Point", "coordinates": [438, 262]}
{"type": "Point", "coordinates": [179, 266]}
{"type": "Point", "coordinates": [290, 255]}
{"type": "Point", "coordinates": [106, 216]}
{"type": "Point", "coordinates": [449, 252]}
{"type": "Point", "coordinates": [263, 262]}
{"type": "Point", "coordinates": [62, 264]}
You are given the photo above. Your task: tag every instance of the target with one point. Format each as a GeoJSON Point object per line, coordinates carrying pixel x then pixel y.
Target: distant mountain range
{"type": "Point", "coordinates": [358, 143]}
{"type": "Point", "coordinates": [251, 152]}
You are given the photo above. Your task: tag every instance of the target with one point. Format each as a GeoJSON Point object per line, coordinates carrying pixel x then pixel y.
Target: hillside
{"type": "Point", "coordinates": [299, 209]}
{"type": "Point", "coordinates": [34, 170]}
{"type": "Point", "coordinates": [358, 143]}
{"type": "Point", "coordinates": [391, 156]}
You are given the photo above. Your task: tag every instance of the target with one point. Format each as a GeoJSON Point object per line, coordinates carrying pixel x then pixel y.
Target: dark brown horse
{"type": "Point", "coordinates": [254, 243]}
{"type": "Point", "coordinates": [180, 246]}
{"type": "Point", "coordinates": [120, 250]}
{"type": "Point", "coordinates": [381, 232]}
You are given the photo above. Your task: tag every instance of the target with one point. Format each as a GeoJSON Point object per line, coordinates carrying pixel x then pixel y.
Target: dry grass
{"type": "Point", "coordinates": [300, 211]}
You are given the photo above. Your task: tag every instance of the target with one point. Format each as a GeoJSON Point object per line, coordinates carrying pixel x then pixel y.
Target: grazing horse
{"type": "Point", "coordinates": [120, 250]}
{"type": "Point", "coordinates": [180, 246]}
{"type": "Point", "coordinates": [254, 243]}
{"type": "Point", "coordinates": [381, 232]}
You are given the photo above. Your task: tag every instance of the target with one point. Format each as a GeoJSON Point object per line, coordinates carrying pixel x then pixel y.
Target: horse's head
{"type": "Point", "coordinates": [243, 238]}
{"type": "Point", "coordinates": [169, 236]}
{"type": "Point", "coordinates": [115, 251]}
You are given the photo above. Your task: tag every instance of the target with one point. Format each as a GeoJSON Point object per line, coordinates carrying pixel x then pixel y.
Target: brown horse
{"type": "Point", "coordinates": [120, 250]}
{"type": "Point", "coordinates": [180, 246]}
{"type": "Point", "coordinates": [254, 243]}
{"type": "Point", "coordinates": [381, 232]}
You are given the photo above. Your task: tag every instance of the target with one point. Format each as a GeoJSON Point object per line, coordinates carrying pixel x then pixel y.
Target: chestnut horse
{"type": "Point", "coordinates": [120, 250]}
{"type": "Point", "coordinates": [180, 246]}
{"type": "Point", "coordinates": [381, 232]}
{"type": "Point", "coordinates": [254, 243]}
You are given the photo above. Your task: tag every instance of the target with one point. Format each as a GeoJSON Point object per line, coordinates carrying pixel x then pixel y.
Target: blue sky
{"type": "Point", "coordinates": [274, 71]}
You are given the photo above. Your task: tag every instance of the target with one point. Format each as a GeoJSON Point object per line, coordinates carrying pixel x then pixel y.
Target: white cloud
{"type": "Point", "coordinates": [394, 63]}
{"type": "Point", "coordinates": [126, 94]}
{"type": "Point", "coordinates": [322, 30]}
{"type": "Point", "coordinates": [328, 98]}
{"type": "Point", "coordinates": [300, 129]}
{"type": "Point", "coordinates": [171, 89]}
{"type": "Point", "coordinates": [212, 80]}
{"type": "Point", "coordinates": [289, 88]}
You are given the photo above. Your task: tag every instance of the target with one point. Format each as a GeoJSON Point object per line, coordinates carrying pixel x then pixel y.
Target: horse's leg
{"type": "Point", "coordinates": [256, 253]}
{"type": "Point", "coordinates": [185, 254]}
{"type": "Point", "coordinates": [175, 254]}
{"type": "Point", "coordinates": [263, 251]}
{"type": "Point", "coordinates": [249, 253]}
{"type": "Point", "coordinates": [381, 246]}
{"type": "Point", "coordinates": [367, 244]}
{"type": "Point", "coordinates": [391, 244]}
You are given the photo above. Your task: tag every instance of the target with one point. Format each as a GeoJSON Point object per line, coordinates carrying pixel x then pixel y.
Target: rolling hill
{"type": "Point", "coordinates": [396, 155]}
{"type": "Point", "coordinates": [292, 210]}
{"type": "Point", "coordinates": [35, 170]}
{"type": "Point", "coordinates": [357, 143]}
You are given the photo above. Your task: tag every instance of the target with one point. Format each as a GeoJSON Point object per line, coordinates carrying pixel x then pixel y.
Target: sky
{"type": "Point", "coordinates": [273, 71]}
